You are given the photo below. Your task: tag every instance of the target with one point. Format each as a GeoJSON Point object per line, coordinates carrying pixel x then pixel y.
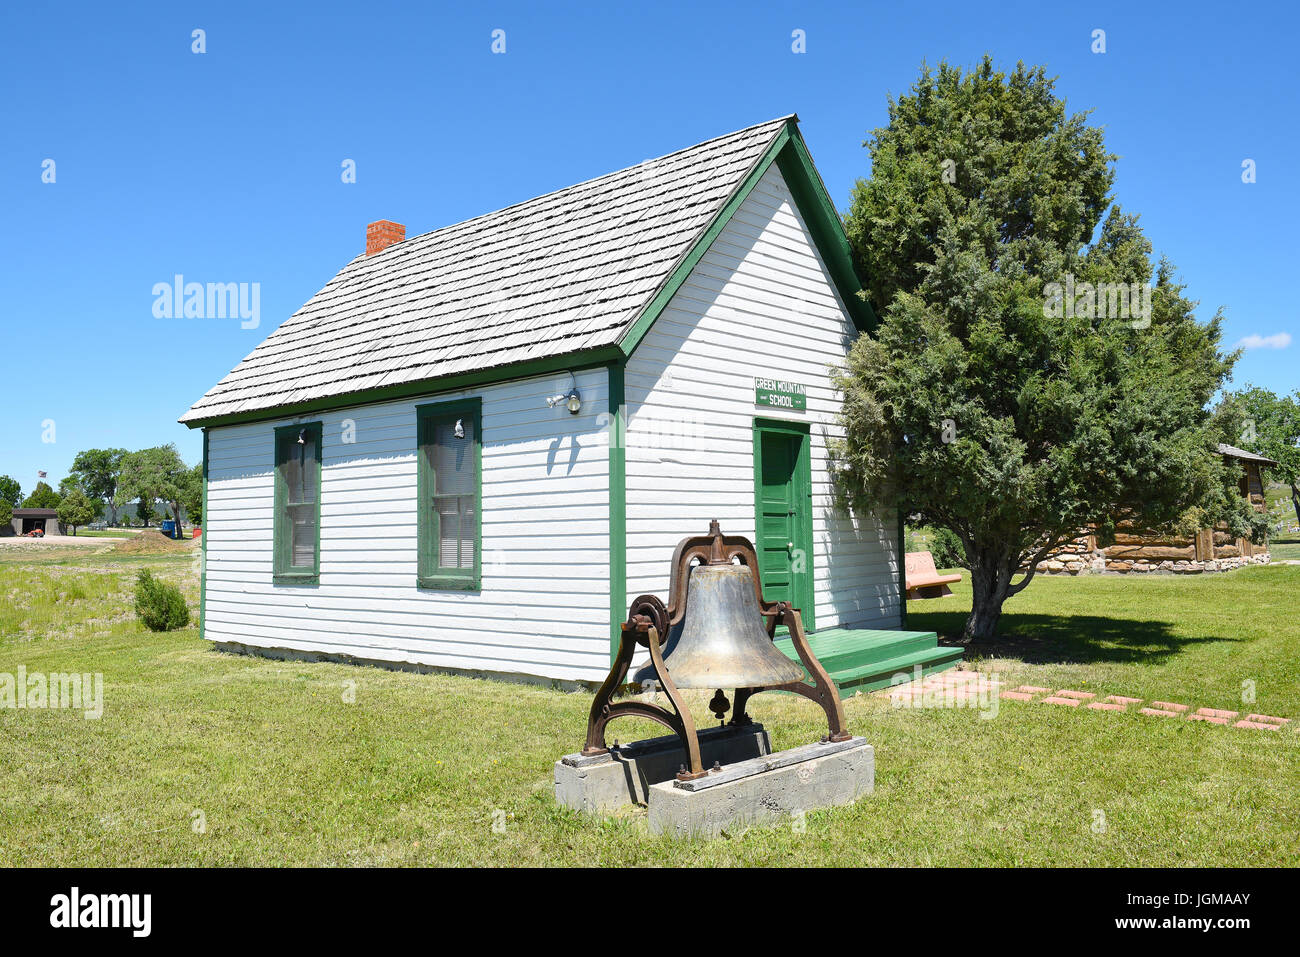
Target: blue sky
{"type": "Point", "coordinates": [226, 166]}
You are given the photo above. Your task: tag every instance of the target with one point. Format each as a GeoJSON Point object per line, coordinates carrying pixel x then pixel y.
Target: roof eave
{"type": "Point", "coordinates": [561, 362]}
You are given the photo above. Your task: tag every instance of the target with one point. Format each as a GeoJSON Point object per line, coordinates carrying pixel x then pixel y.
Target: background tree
{"type": "Point", "coordinates": [10, 491]}
{"type": "Point", "coordinates": [156, 474]}
{"type": "Point", "coordinates": [985, 403]}
{"type": "Point", "coordinates": [145, 511]}
{"type": "Point", "coordinates": [6, 513]}
{"type": "Point", "coordinates": [1267, 424]}
{"type": "Point", "coordinates": [76, 509]}
{"type": "Point", "coordinates": [97, 471]}
{"type": "Point", "coordinates": [42, 497]}
{"type": "Point", "coordinates": [192, 499]}
{"type": "Point", "coordinates": [72, 483]}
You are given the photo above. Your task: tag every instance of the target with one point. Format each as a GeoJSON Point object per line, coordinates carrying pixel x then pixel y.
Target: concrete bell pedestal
{"type": "Point", "coordinates": [753, 786]}
{"type": "Point", "coordinates": [607, 782]}
{"type": "Point", "coordinates": [764, 790]}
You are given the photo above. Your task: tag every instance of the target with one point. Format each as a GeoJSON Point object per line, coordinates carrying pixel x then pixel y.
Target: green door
{"type": "Point", "coordinates": [783, 499]}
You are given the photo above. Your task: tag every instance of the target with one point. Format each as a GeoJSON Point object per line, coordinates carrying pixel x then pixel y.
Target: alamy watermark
{"type": "Point", "coordinates": [32, 690]}
{"type": "Point", "coordinates": [1103, 300]}
{"type": "Point", "coordinates": [179, 299]}
{"type": "Point", "coordinates": [981, 694]}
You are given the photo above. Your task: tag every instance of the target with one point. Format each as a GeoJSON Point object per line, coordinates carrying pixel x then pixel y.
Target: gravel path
{"type": "Point", "coordinates": [18, 541]}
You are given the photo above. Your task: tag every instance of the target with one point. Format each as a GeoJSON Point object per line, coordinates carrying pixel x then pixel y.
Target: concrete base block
{"type": "Point", "coordinates": [764, 790]}
{"type": "Point", "coordinates": [624, 776]}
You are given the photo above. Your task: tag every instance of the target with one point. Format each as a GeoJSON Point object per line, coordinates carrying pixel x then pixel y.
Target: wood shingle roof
{"type": "Point", "coordinates": [564, 274]}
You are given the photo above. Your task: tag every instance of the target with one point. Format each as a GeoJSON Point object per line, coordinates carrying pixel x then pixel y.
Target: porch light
{"type": "Point", "coordinates": [572, 399]}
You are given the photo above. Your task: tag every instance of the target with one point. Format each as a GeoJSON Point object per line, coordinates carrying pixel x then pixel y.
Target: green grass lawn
{"type": "Point", "coordinates": [1283, 549]}
{"type": "Point", "coordinates": [284, 770]}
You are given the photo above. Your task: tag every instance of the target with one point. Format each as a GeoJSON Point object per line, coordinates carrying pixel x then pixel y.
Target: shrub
{"type": "Point", "coordinates": [946, 548]}
{"type": "Point", "coordinates": [160, 606]}
{"type": "Point", "coordinates": [941, 543]}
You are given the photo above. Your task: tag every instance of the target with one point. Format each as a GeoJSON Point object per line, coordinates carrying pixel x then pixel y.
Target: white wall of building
{"type": "Point", "coordinates": [759, 303]}
{"type": "Point", "coordinates": [544, 605]}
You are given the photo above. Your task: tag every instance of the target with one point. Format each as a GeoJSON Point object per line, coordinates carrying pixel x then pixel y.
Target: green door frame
{"type": "Point", "coordinates": [803, 595]}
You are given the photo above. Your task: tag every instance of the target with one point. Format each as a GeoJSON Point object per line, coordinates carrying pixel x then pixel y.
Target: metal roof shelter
{"type": "Point", "coordinates": [46, 519]}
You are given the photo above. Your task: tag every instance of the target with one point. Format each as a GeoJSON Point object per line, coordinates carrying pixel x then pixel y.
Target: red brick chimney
{"type": "Point", "coordinates": [382, 234]}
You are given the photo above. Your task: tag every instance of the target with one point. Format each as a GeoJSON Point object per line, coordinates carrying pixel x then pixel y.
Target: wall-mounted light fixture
{"type": "Point", "coordinates": [302, 436]}
{"type": "Point", "coordinates": [572, 399]}
{"type": "Point", "coordinates": [460, 428]}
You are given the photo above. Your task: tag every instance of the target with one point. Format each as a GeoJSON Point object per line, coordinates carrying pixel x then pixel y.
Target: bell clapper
{"type": "Point", "coordinates": [719, 705]}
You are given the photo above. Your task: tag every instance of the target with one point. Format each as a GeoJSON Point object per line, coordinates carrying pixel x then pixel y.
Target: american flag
{"type": "Point", "coordinates": [40, 475]}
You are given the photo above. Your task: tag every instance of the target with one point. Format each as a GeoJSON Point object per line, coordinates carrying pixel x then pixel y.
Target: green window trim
{"type": "Point", "coordinates": [430, 572]}
{"type": "Point", "coordinates": [284, 572]}
{"type": "Point", "coordinates": [203, 543]}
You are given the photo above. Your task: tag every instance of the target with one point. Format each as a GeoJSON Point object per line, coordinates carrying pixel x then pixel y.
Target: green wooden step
{"type": "Point", "coordinates": [866, 659]}
{"type": "Point", "coordinates": [847, 649]}
{"type": "Point", "coordinates": [881, 674]}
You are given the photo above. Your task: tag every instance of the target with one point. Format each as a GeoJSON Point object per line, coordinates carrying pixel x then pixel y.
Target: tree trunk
{"type": "Point", "coordinates": [1295, 500]}
{"type": "Point", "coordinates": [990, 577]}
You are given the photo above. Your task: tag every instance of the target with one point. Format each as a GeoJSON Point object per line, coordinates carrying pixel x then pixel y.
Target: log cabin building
{"type": "Point", "coordinates": [1211, 550]}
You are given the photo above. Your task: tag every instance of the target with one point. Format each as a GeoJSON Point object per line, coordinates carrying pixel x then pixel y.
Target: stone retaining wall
{"type": "Point", "coordinates": [1076, 563]}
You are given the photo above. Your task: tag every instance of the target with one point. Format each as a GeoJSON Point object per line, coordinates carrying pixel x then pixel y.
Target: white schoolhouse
{"type": "Point", "coordinates": [474, 447]}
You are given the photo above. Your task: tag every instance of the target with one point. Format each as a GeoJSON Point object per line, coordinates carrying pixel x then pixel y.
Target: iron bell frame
{"type": "Point", "coordinates": [649, 621]}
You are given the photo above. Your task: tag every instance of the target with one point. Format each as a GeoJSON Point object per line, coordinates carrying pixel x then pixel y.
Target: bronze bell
{"type": "Point", "coordinates": [721, 641]}
{"type": "Point", "coordinates": [715, 631]}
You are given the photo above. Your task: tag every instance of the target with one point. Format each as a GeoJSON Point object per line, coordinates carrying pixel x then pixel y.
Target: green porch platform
{"type": "Point", "coordinates": [864, 659]}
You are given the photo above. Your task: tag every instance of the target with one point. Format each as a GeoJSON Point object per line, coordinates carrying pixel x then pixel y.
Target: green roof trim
{"type": "Point", "coordinates": [617, 505]}
{"type": "Point", "coordinates": [827, 228]}
{"type": "Point", "coordinates": [791, 155]}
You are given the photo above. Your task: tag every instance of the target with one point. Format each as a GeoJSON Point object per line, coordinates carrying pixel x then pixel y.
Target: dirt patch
{"type": "Point", "coordinates": [151, 542]}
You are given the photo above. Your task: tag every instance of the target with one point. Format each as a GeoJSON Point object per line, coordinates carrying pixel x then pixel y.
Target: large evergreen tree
{"type": "Point", "coordinates": [1001, 396]}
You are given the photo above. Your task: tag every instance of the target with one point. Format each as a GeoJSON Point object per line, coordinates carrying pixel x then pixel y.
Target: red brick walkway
{"type": "Point", "coordinates": [1157, 709]}
{"type": "Point", "coordinates": [960, 687]}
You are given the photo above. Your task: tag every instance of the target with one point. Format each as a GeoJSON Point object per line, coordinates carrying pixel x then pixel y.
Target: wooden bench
{"type": "Point", "coordinates": [924, 580]}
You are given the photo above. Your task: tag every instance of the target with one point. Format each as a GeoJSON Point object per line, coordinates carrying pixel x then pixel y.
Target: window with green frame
{"type": "Point", "coordinates": [450, 494]}
{"type": "Point", "coordinates": [297, 504]}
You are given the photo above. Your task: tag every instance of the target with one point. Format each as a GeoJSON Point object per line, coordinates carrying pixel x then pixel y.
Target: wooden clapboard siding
{"type": "Point", "coordinates": [544, 604]}
{"type": "Point", "coordinates": [760, 302]}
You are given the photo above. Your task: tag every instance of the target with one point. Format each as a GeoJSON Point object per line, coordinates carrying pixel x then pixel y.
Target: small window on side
{"type": "Point", "coordinates": [449, 494]}
{"type": "Point", "coordinates": [297, 504]}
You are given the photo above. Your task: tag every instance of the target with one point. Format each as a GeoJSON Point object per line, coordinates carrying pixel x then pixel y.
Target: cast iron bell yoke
{"type": "Point", "coordinates": [716, 632]}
